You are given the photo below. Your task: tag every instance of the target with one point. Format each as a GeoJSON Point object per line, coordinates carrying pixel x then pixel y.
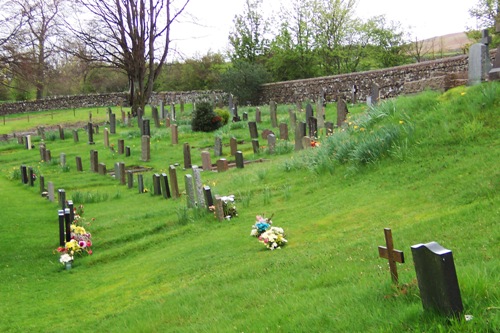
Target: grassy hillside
{"type": "Point", "coordinates": [425, 166]}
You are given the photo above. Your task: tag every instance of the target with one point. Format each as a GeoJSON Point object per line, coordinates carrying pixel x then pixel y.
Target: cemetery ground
{"type": "Point", "coordinates": [425, 166]}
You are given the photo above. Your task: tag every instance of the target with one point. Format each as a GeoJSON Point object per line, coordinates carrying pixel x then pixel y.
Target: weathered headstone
{"type": "Point", "coordinates": [309, 112]}
{"type": "Point", "coordinates": [306, 142]}
{"type": "Point", "coordinates": [28, 142]}
{"type": "Point", "coordinates": [145, 148]}
{"type": "Point", "coordinates": [94, 161]}
{"type": "Point", "coordinates": [90, 132]}
{"type": "Point", "coordinates": [174, 186]}
{"type": "Point", "coordinates": [283, 131]}
{"type": "Point", "coordinates": [175, 137]}
{"type": "Point", "coordinates": [342, 112]}
{"type": "Point", "coordinates": [198, 186]}
{"type": "Point", "coordinates": [42, 150]}
{"type": "Point", "coordinates": [258, 116]}
{"type": "Point", "coordinates": [130, 179]}
{"type": "Point", "coordinates": [437, 279]}
{"type": "Point", "coordinates": [172, 112]}
{"type": "Point", "coordinates": [255, 146]}
{"type": "Point", "coordinates": [313, 127]}
{"type": "Point", "coordinates": [273, 115]}
{"type": "Point", "coordinates": [219, 210]}
{"type": "Point", "coordinates": [354, 94]}
{"type": "Point", "coordinates": [31, 176]}
{"type": "Point", "coordinates": [79, 166]}
{"type": "Point", "coordinates": [140, 183]}
{"type": "Point", "coordinates": [50, 190]}
{"type": "Point", "coordinates": [105, 133]}
{"type": "Point", "coordinates": [233, 143]}
{"type": "Point", "coordinates": [127, 151]}
{"type": "Point", "coordinates": [121, 146]}
{"type": "Point", "coordinates": [320, 112]}
{"type": "Point", "coordinates": [140, 115]}
{"type": "Point", "coordinates": [156, 184]}
{"type": "Point", "coordinates": [329, 128]}
{"type": "Point", "coordinates": [121, 173]}
{"type": "Point", "coordinates": [218, 146]}
{"type": "Point", "coordinates": [165, 189]}
{"type": "Point", "coordinates": [388, 252]}
{"type": "Point", "coordinates": [146, 127]}
{"type": "Point", "coordinates": [112, 123]}
{"type": "Point", "coordinates": [375, 94]}
{"type": "Point", "coordinates": [156, 117]}
{"type": "Point", "coordinates": [293, 118]}
{"type": "Point", "coordinates": [188, 182]}
{"type": "Point", "coordinates": [252, 126]}
{"type": "Point", "coordinates": [209, 200]}
{"type": "Point", "coordinates": [205, 161]}
{"type": "Point", "coordinates": [300, 132]}
{"type": "Point", "coordinates": [61, 132]}
{"type": "Point", "coordinates": [479, 64]}
{"type": "Point", "coordinates": [187, 156]}
{"type": "Point", "coordinates": [48, 156]}
{"type": "Point", "coordinates": [222, 165]}
{"type": "Point", "coordinates": [101, 169]}
{"type": "Point", "coordinates": [162, 110]}
{"type": "Point", "coordinates": [271, 143]}
{"type": "Point", "coordinates": [75, 136]}
{"type": "Point", "coordinates": [240, 163]}
{"type": "Point", "coordinates": [62, 159]}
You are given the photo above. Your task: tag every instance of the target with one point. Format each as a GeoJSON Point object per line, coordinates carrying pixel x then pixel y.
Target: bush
{"type": "Point", "coordinates": [205, 119]}
{"type": "Point", "coordinates": [224, 114]}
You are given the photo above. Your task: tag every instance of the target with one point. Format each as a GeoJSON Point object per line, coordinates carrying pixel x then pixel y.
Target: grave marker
{"type": "Point", "coordinates": [156, 117]}
{"type": "Point", "coordinates": [61, 132]}
{"type": "Point", "coordinates": [62, 159]}
{"type": "Point", "coordinates": [121, 173]}
{"type": "Point", "coordinates": [145, 148]}
{"type": "Point", "coordinates": [156, 184]}
{"type": "Point", "coordinates": [205, 161]}
{"type": "Point", "coordinates": [272, 112]}
{"type": "Point", "coordinates": [79, 166]}
{"type": "Point", "coordinates": [67, 222]}
{"type": "Point", "coordinates": [209, 200]}
{"type": "Point", "coordinates": [50, 190]}
{"type": "Point", "coordinates": [175, 137]}
{"type": "Point", "coordinates": [31, 176]}
{"type": "Point", "coordinates": [90, 132]}
{"type": "Point", "coordinates": [127, 151]}
{"type": "Point", "coordinates": [437, 279]}
{"type": "Point", "coordinates": [271, 142]}
{"type": "Point", "coordinates": [233, 143]}
{"type": "Point", "coordinates": [222, 165]}
{"type": "Point", "coordinates": [342, 112]}
{"type": "Point", "coordinates": [101, 169]}
{"type": "Point", "coordinates": [75, 136]}
{"type": "Point", "coordinates": [388, 252]}
{"type": "Point", "coordinates": [42, 183]}
{"type": "Point", "coordinates": [165, 190]}
{"type": "Point", "coordinates": [112, 123]}
{"type": "Point", "coordinates": [309, 112]}
{"type": "Point", "coordinates": [140, 183]}
{"type": "Point", "coordinates": [313, 127]}
{"type": "Point", "coordinates": [198, 186]}
{"type": "Point", "coordinates": [375, 94]}
{"type": "Point", "coordinates": [252, 126]}
{"type": "Point", "coordinates": [174, 186]}
{"type": "Point", "coordinates": [218, 146]}
{"type": "Point", "coordinates": [106, 137]}
{"type": "Point", "coordinates": [130, 179]}
{"type": "Point", "coordinates": [60, 213]}
{"type": "Point", "coordinates": [479, 64]}
{"type": "Point", "coordinates": [187, 156]}
{"type": "Point", "coordinates": [258, 116]}
{"type": "Point", "coordinates": [188, 181]}
{"type": "Point", "coordinates": [283, 131]}
{"type": "Point", "coordinates": [255, 146]}
{"type": "Point", "coordinates": [61, 198]}
{"type": "Point", "coordinates": [219, 210]}
{"type": "Point", "coordinates": [121, 146]}
{"type": "Point", "coordinates": [24, 174]}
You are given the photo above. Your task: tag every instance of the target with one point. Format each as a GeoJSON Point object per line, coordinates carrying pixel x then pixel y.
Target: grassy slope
{"type": "Point", "coordinates": [151, 274]}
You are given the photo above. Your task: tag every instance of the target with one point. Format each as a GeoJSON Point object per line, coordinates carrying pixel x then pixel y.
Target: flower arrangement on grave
{"type": "Point", "coordinates": [315, 143]}
{"type": "Point", "coordinates": [271, 237]}
{"type": "Point", "coordinates": [81, 240]}
{"type": "Point", "coordinates": [228, 207]}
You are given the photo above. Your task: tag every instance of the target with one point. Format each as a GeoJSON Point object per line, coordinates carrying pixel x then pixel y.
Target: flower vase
{"type": "Point", "coordinates": [68, 265]}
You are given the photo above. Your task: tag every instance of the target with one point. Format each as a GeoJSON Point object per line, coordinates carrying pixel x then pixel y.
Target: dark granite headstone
{"type": "Point", "coordinates": [130, 179]}
{"type": "Point", "coordinates": [208, 196]}
{"type": "Point", "coordinates": [156, 184]}
{"type": "Point", "coordinates": [309, 112]}
{"type": "Point", "coordinates": [313, 127]}
{"type": "Point", "coordinates": [61, 227]}
{"type": "Point", "coordinates": [255, 146]}
{"type": "Point", "coordinates": [240, 164]}
{"type": "Point", "coordinates": [437, 279]}
{"type": "Point", "coordinates": [165, 189]}
{"type": "Point", "coordinates": [252, 126]}
{"type": "Point", "coordinates": [140, 183]}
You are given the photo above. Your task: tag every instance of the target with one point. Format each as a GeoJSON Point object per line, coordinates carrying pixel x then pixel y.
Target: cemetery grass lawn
{"type": "Point", "coordinates": [159, 267]}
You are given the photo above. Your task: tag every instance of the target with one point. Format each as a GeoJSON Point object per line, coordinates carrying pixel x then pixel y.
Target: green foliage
{"type": "Point", "coordinates": [205, 119]}
{"type": "Point", "coordinates": [224, 114]}
{"type": "Point", "coordinates": [243, 80]}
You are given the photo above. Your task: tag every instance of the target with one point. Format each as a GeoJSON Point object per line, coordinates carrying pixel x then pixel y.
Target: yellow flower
{"type": "Point", "coordinates": [356, 126]}
{"type": "Point", "coordinates": [463, 93]}
{"type": "Point", "coordinates": [401, 122]}
{"type": "Point", "coordinates": [362, 129]}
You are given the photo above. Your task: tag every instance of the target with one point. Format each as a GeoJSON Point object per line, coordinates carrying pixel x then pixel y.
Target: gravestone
{"type": "Point", "coordinates": [101, 169]}
{"type": "Point", "coordinates": [167, 123]}
{"type": "Point", "coordinates": [24, 174]}
{"type": "Point", "coordinates": [219, 210]}
{"type": "Point", "coordinates": [127, 151]}
{"type": "Point", "coordinates": [222, 165]}
{"type": "Point", "coordinates": [375, 94]}
{"type": "Point", "coordinates": [42, 132]}
{"type": "Point", "coordinates": [300, 132]}
{"type": "Point", "coordinates": [140, 115]}
{"type": "Point", "coordinates": [218, 146]}
{"type": "Point", "coordinates": [124, 117]}
{"type": "Point", "coordinates": [162, 110]}
{"type": "Point", "coordinates": [156, 117]}
{"type": "Point", "coordinates": [90, 132]}
{"type": "Point", "coordinates": [236, 117]}
{"type": "Point", "coordinates": [252, 126]}
{"type": "Point", "coordinates": [271, 143]}
{"type": "Point", "coordinates": [42, 183]}
{"type": "Point", "coordinates": [320, 111]}
{"type": "Point", "coordinates": [75, 136]}
{"type": "Point", "coordinates": [145, 148]}
{"type": "Point", "coordinates": [50, 190]}
{"type": "Point", "coordinates": [96, 129]}
{"type": "Point", "coordinates": [130, 179]}
{"type": "Point", "coordinates": [245, 116]}
{"type": "Point", "coordinates": [106, 137]}
{"type": "Point", "coordinates": [62, 159]}
{"type": "Point", "coordinates": [48, 156]}
{"type": "Point", "coordinates": [283, 131]}
{"type": "Point", "coordinates": [187, 156]}
{"type": "Point", "coordinates": [306, 142]}
{"type": "Point", "coordinates": [233, 143]}
{"type": "Point", "coordinates": [112, 123]}
{"type": "Point", "coordinates": [354, 94]}
{"type": "Point", "coordinates": [272, 112]}
{"type": "Point", "coordinates": [209, 200]}
{"type": "Point", "coordinates": [140, 183]}
{"type": "Point", "coordinates": [309, 112]}
{"type": "Point", "coordinates": [129, 119]}
{"type": "Point", "coordinates": [121, 146]}
{"type": "Point", "coordinates": [388, 252]}
{"type": "Point", "coordinates": [61, 132]}
{"type": "Point", "coordinates": [146, 128]}
{"type": "Point", "coordinates": [329, 128]}
{"type": "Point", "coordinates": [62, 239]}
{"type": "Point", "coordinates": [31, 176]}
{"type": "Point", "coordinates": [174, 186]}
{"type": "Point", "coordinates": [121, 173]}
{"type": "Point", "coordinates": [165, 190]}
{"type": "Point", "coordinates": [181, 102]}
{"type": "Point", "coordinates": [437, 279]}
{"type": "Point", "coordinates": [94, 161]}
{"type": "Point", "coordinates": [188, 182]}
{"type": "Point", "coordinates": [71, 207]}
{"type": "Point", "coordinates": [313, 127]}
{"type": "Point", "coordinates": [156, 184]}
{"type": "Point", "coordinates": [172, 112]}
{"type": "Point", "coordinates": [494, 73]}
{"type": "Point", "coordinates": [198, 186]}
{"type": "Point", "coordinates": [240, 163]}
{"type": "Point", "coordinates": [205, 161]}
{"type": "Point", "coordinates": [175, 137]}
{"type": "Point", "coordinates": [342, 112]}
{"type": "Point", "coordinates": [28, 142]}
{"type": "Point", "coordinates": [67, 222]}
{"type": "Point", "coordinates": [42, 150]}
{"type": "Point", "coordinates": [61, 198]}
{"type": "Point", "coordinates": [479, 64]}
{"type": "Point", "coordinates": [230, 103]}
{"type": "Point", "coordinates": [79, 166]}
{"type": "Point", "coordinates": [258, 116]}
{"type": "Point", "coordinates": [255, 146]}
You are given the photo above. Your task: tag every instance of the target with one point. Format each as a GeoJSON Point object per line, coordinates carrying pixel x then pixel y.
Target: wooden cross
{"type": "Point", "coordinates": [388, 252]}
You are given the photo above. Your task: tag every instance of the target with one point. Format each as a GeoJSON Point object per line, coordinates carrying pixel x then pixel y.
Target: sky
{"type": "Point", "coordinates": [213, 20]}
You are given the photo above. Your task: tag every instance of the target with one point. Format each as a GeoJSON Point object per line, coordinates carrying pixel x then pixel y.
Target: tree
{"type": "Point", "coordinates": [243, 80]}
{"type": "Point", "coordinates": [247, 39]}
{"type": "Point", "coordinates": [132, 35]}
{"type": "Point", "coordinates": [485, 12]}
{"type": "Point", "coordinates": [389, 39]}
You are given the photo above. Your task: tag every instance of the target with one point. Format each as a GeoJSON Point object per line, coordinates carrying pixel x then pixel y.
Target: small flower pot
{"type": "Point", "coordinates": [68, 265]}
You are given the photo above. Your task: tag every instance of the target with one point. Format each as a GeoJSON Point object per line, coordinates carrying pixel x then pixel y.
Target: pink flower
{"type": "Point", "coordinates": [82, 244]}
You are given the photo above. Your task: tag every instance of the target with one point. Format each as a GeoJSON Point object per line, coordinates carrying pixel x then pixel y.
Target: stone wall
{"type": "Point", "coordinates": [438, 74]}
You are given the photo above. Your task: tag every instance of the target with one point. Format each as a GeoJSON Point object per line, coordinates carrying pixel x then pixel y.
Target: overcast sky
{"type": "Point", "coordinates": [423, 18]}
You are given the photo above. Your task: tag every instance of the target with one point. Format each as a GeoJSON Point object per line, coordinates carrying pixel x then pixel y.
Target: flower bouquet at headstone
{"type": "Point", "coordinates": [229, 207]}
{"type": "Point", "coordinates": [81, 240]}
{"type": "Point", "coordinates": [271, 237]}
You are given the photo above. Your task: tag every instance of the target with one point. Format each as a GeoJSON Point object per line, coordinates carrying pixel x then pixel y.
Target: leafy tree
{"type": "Point", "coordinates": [243, 80]}
{"type": "Point", "coordinates": [247, 39]}
{"type": "Point", "coordinates": [390, 42]}
{"type": "Point", "coordinates": [485, 12]}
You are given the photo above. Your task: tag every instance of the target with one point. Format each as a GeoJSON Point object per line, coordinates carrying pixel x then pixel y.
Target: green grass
{"type": "Point", "coordinates": [425, 166]}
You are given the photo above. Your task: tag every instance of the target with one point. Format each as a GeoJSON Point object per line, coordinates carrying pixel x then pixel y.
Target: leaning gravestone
{"type": "Point", "coordinates": [252, 127]}
{"type": "Point", "coordinates": [156, 117]}
{"type": "Point", "coordinates": [437, 279]}
{"type": "Point", "coordinates": [173, 182]}
{"type": "Point", "coordinates": [165, 190]}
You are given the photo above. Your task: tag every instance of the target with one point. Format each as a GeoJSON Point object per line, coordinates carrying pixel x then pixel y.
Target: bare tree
{"type": "Point", "coordinates": [132, 35]}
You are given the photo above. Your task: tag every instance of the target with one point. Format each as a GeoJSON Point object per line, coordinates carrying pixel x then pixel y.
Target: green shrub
{"type": "Point", "coordinates": [224, 114]}
{"type": "Point", "coordinates": [205, 119]}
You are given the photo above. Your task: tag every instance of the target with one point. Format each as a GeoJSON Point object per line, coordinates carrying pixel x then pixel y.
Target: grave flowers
{"type": "Point", "coordinates": [229, 207]}
{"type": "Point", "coordinates": [271, 237]}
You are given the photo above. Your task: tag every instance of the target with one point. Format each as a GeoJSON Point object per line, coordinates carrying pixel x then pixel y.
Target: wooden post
{"type": "Point", "coordinates": [388, 252]}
